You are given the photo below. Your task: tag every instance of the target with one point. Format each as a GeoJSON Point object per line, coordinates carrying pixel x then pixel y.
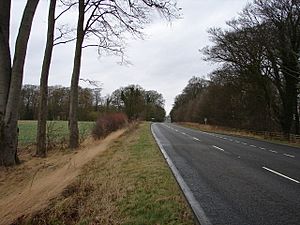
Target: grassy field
{"type": "Point", "coordinates": [58, 130]}
{"type": "Point", "coordinates": [129, 183]}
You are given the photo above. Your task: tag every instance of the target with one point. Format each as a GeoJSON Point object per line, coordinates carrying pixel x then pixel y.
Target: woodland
{"type": "Point", "coordinates": [256, 83]}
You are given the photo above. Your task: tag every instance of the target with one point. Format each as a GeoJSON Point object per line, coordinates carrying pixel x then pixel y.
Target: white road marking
{"type": "Point", "coordinates": [237, 141]}
{"type": "Point", "coordinates": [221, 149]}
{"type": "Point", "coordinates": [176, 130]}
{"type": "Point", "coordinates": [262, 148]}
{"type": "Point", "coordinates": [183, 133]}
{"type": "Point", "coordinates": [288, 155]}
{"type": "Point", "coordinates": [230, 140]}
{"type": "Point", "coordinates": [282, 175]}
{"type": "Point", "coordinates": [273, 151]}
{"type": "Point", "coordinates": [196, 139]}
{"type": "Point", "coordinates": [254, 146]}
{"type": "Point", "coordinates": [244, 143]}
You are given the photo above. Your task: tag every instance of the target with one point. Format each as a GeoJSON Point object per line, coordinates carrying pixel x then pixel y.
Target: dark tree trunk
{"type": "Point", "coordinates": [288, 103]}
{"type": "Point", "coordinates": [290, 70]}
{"type": "Point", "coordinates": [297, 131]}
{"type": "Point", "coordinates": [5, 59]}
{"type": "Point", "coordinates": [10, 130]}
{"type": "Point", "coordinates": [41, 148]}
{"type": "Point", "coordinates": [73, 113]}
{"type": "Point", "coordinates": [5, 66]}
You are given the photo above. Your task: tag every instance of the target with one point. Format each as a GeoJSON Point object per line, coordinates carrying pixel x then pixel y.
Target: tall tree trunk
{"type": "Point", "coordinates": [297, 128]}
{"type": "Point", "coordinates": [10, 135]}
{"type": "Point", "coordinates": [290, 70]}
{"type": "Point", "coordinates": [5, 65]}
{"type": "Point", "coordinates": [73, 113]}
{"type": "Point", "coordinates": [5, 59]}
{"type": "Point", "coordinates": [41, 148]}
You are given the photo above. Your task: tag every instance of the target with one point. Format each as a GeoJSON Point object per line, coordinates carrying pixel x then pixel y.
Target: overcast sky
{"type": "Point", "coordinates": [164, 62]}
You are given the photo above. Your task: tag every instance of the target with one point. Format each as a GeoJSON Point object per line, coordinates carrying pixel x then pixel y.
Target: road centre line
{"type": "Point", "coordinates": [288, 155]}
{"type": "Point", "coordinates": [273, 151]}
{"type": "Point", "coordinates": [196, 139]}
{"type": "Point", "coordinates": [254, 146]}
{"type": "Point", "coordinates": [282, 175]}
{"type": "Point", "coordinates": [221, 149]}
{"type": "Point", "coordinates": [262, 148]}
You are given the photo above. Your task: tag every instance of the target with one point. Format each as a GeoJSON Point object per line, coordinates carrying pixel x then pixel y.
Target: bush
{"type": "Point", "coordinates": [108, 123]}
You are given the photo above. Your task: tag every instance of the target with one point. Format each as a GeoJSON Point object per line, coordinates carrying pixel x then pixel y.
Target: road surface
{"type": "Point", "coordinates": [237, 181]}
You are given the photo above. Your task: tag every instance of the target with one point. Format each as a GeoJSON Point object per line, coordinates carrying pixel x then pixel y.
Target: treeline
{"type": "Point", "coordinates": [257, 83]}
{"type": "Point", "coordinates": [133, 100]}
{"type": "Point", "coordinates": [225, 102]}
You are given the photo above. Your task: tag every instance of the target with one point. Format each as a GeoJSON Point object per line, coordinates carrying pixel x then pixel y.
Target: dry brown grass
{"type": "Point", "coordinates": [28, 187]}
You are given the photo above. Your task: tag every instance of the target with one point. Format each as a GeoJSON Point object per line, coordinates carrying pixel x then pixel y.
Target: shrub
{"type": "Point", "coordinates": [108, 123]}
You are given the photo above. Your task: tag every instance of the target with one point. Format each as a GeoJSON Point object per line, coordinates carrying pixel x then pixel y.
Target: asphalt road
{"type": "Point", "coordinates": [237, 181]}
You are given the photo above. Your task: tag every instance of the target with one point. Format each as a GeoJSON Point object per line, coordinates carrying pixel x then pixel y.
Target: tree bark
{"type": "Point", "coordinates": [73, 113]}
{"type": "Point", "coordinates": [10, 131]}
{"type": "Point", "coordinates": [5, 59]}
{"type": "Point", "coordinates": [41, 148]}
{"type": "Point", "coordinates": [5, 66]}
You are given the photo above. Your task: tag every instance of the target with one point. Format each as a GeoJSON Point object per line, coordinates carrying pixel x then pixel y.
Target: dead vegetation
{"type": "Point", "coordinates": [27, 188]}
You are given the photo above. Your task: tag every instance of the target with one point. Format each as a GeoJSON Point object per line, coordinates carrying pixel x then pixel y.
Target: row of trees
{"type": "Point", "coordinates": [133, 100]}
{"type": "Point", "coordinates": [90, 101]}
{"type": "Point", "coordinates": [224, 101]}
{"type": "Point", "coordinates": [257, 83]}
{"type": "Point", "coordinates": [101, 24]}
{"type": "Point", "coordinates": [138, 103]}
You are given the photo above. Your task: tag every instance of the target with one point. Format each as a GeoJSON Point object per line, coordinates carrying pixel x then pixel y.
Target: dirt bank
{"type": "Point", "coordinates": [26, 192]}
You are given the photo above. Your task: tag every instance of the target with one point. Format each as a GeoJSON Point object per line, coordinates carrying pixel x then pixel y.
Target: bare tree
{"type": "Point", "coordinates": [264, 43]}
{"type": "Point", "coordinates": [62, 38]}
{"type": "Point", "coordinates": [9, 133]}
{"type": "Point", "coordinates": [5, 59]}
{"type": "Point", "coordinates": [43, 109]}
{"type": "Point", "coordinates": [103, 25]}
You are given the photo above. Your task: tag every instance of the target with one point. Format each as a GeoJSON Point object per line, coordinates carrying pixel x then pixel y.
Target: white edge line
{"type": "Point", "coordinates": [196, 139]}
{"type": "Point", "coordinates": [195, 205]}
{"type": "Point", "coordinates": [282, 175]}
{"type": "Point", "coordinates": [221, 149]}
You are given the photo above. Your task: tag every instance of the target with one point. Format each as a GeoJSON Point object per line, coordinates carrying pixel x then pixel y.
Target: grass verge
{"type": "Point", "coordinates": [57, 131]}
{"type": "Point", "coordinates": [130, 183]}
{"type": "Point", "coordinates": [235, 132]}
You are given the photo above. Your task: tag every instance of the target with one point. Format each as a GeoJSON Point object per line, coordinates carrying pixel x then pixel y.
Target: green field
{"type": "Point", "coordinates": [57, 131]}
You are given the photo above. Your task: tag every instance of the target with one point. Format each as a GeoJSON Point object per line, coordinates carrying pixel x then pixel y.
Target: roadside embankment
{"type": "Point", "coordinates": [128, 183]}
